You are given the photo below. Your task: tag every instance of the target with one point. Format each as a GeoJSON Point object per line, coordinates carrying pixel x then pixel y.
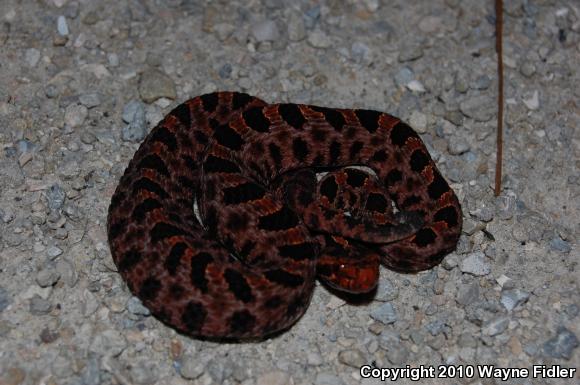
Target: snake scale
{"type": "Point", "coordinates": [269, 225]}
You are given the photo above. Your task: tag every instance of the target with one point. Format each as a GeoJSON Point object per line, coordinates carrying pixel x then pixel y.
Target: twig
{"type": "Point", "coordinates": [499, 50]}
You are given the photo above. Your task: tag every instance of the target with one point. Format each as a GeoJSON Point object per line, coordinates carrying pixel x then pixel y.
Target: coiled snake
{"type": "Point", "coordinates": [269, 226]}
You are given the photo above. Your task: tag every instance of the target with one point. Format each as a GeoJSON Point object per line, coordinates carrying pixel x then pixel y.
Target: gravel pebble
{"type": "Point", "coordinates": [274, 378]}
{"type": "Point", "coordinates": [134, 114]}
{"type": "Point", "coordinates": [403, 76]}
{"type": "Point", "coordinates": [319, 39]}
{"type": "Point", "coordinates": [90, 100]}
{"type": "Point", "coordinates": [296, 28]}
{"type": "Point", "coordinates": [468, 294]}
{"type": "Point", "coordinates": [325, 378]}
{"type": "Point", "coordinates": [32, 57]}
{"type": "Point", "coordinates": [75, 115]}
{"type": "Point", "coordinates": [62, 26]}
{"type": "Point", "coordinates": [352, 357]}
{"type": "Point", "coordinates": [475, 264]}
{"type": "Point", "coordinates": [47, 277]}
{"type": "Point", "coordinates": [191, 368]}
{"type": "Point", "coordinates": [480, 108]}
{"type": "Point", "coordinates": [511, 299]}
{"type": "Point", "coordinates": [39, 305]}
{"type": "Point", "coordinates": [5, 299]}
{"type": "Point", "coordinates": [109, 342]}
{"type": "Point", "coordinates": [561, 345]}
{"type": "Point", "coordinates": [496, 326]}
{"type": "Point", "coordinates": [266, 30]}
{"type": "Point", "coordinates": [55, 197]}
{"type": "Point", "coordinates": [154, 84]}
{"type": "Point", "coordinates": [533, 101]}
{"type": "Point", "coordinates": [410, 52]}
{"type": "Point", "coordinates": [386, 291]}
{"type": "Point", "coordinates": [384, 313]}
{"type": "Point", "coordinates": [558, 244]}
{"type": "Point", "coordinates": [135, 306]}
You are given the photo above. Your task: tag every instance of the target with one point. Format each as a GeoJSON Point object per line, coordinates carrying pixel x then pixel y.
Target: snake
{"type": "Point", "coordinates": [232, 208]}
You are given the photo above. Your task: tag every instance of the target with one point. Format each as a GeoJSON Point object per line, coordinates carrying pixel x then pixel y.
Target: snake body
{"type": "Point", "coordinates": [268, 227]}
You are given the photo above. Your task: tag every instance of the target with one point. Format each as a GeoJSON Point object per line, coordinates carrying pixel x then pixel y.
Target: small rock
{"type": "Point", "coordinates": [312, 16]}
{"type": "Point", "coordinates": [418, 121]}
{"type": "Point", "coordinates": [527, 69]}
{"type": "Point", "coordinates": [90, 100]}
{"type": "Point", "coordinates": [386, 291]}
{"type": "Point", "coordinates": [397, 354]}
{"type": "Point", "coordinates": [224, 30]}
{"type": "Point", "coordinates": [131, 109]}
{"type": "Point", "coordinates": [484, 214]}
{"type": "Point", "coordinates": [533, 102]}
{"type": "Point", "coordinates": [503, 280]}
{"type": "Point", "coordinates": [47, 277]}
{"type": "Point", "coordinates": [496, 326]}
{"type": "Point", "coordinates": [319, 39]}
{"type": "Point", "coordinates": [266, 30]}
{"type": "Point", "coordinates": [191, 367]}
{"type": "Point", "coordinates": [88, 137]}
{"type": "Point", "coordinates": [225, 71]}
{"type": "Point", "coordinates": [510, 299]}
{"type": "Point", "coordinates": [91, 374]}
{"type": "Point", "coordinates": [154, 84]}
{"type": "Point", "coordinates": [55, 197]}
{"type": "Point", "coordinates": [475, 264]}
{"type": "Point", "coordinates": [436, 327]}
{"type": "Point", "coordinates": [67, 272]}
{"type": "Point", "coordinates": [458, 145]}
{"type": "Point", "coordinates": [468, 294]}
{"type": "Point", "coordinates": [410, 52]}
{"type": "Point", "coordinates": [62, 26]}
{"type": "Point", "coordinates": [61, 367]}
{"type": "Point", "coordinates": [32, 57]}
{"type": "Point", "coordinates": [404, 76]}
{"type": "Point", "coordinates": [416, 86]}
{"type": "Point", "coordinates": [505, 206]}
{"type": "Point", "coordinates": [325, 378]}
{"type": "Point", "coordinates": [144, 372]}
{"type": "Point", "coordinates": [561, 345]}
{"type": "Point", "coordinates": [372, 5]}
{"type": "Point", "coordinates": [108, 342]}
{"type": "Point", "coordinates": [5, 299]}
{"type": "Point", "coordinates": [7, 215]}
{"type": "Point", "coordinates": [480, 108]}
{"type": "Point", "coordinates": [359, 52]}
{"type": "Point", "coordinates": [384, 313]}
{"type": "Point", "coordinates": [48, 336]}
{"type": "Point", "coordinates": [39, 305]}
{"type": "Point", "coordinates": [113, 59]}
{"type": "Point", "coordinates": [450, 262]}
{"type": "Point", "coordinates": [431, 24]}
{"type": "Point", "coordinates": [470, 226]}
{"type": "Point", "coordinates": [75, 115]}
{"type": "Point", "coordinates": [482, 82]}
{"type": "Point", "coordinates": [296, 28]}
{"type": "Point", "coordinates": [558, 244]}
{"type": "Point", "coordinates": [135, 306]}
{"type": "Point", "coordinates": [274, 378]}
{"type": "Point", "coordinates": [134, 114]}
{"type": "Point", "coordinates": [217, 370]}
{"type": "Point", "coordinates": [352, 357]}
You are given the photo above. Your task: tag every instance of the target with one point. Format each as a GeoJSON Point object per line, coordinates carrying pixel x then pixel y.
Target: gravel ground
{"type": "Point", "coordinates": [81, 83]}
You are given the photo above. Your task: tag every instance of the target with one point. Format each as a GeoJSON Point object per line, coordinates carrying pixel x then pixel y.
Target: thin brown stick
{"type": "Point", "coordinates": [499, 50]}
